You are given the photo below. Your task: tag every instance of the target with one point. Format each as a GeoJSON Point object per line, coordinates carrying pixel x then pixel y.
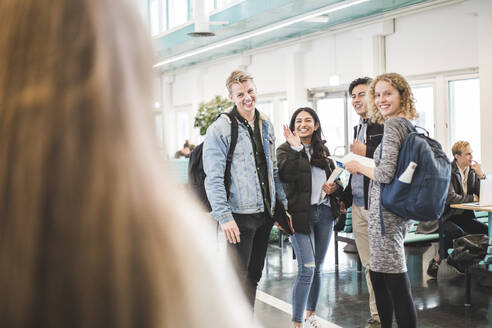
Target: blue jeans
{"type": "Point", "coordinates": [310, 251]}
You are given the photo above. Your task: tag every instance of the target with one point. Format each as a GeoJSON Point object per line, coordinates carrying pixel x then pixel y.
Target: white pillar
{"type": "Point", "coordinates": [374, 46]}
{"type": "Point", "coordinates": [295, 77]}
{"type": "Point", "coordinates": [441, 114]}
{"type": "Point", "coordinates": [197, 96]}
{"type": "Point", "coordinates": [485, 74]}
{"type": "Point", "coordinates": [168, 116]}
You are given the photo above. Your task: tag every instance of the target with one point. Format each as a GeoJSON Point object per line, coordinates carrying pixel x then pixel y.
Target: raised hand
{"type": "Point", "coordinates": [478, 169]}
{"type": "Point", "coordinates": [291, 137]}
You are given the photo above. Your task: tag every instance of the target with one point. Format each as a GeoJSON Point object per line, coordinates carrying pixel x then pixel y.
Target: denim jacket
{"type": "Point", "coordinates": [245, 193]}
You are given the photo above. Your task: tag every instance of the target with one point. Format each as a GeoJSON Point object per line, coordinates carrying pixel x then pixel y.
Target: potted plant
{"type": "Point", "coordinates": [208, 112]}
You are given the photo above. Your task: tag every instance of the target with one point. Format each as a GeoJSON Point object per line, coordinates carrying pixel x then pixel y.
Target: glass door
{"type": "Point", "coordinates": [332, 112]}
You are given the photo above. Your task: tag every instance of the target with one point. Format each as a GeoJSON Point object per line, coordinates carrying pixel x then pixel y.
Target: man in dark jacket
{"type": "Point", "coordinates": [367, 137]}
{"type": "Point", "coordinates": [463, 188]}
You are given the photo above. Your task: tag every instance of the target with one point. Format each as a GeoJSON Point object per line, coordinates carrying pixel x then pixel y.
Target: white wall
{"type": "Point", "coordinates": [437, 40]}
{"type": "Point", "coordinates": [433, 43]}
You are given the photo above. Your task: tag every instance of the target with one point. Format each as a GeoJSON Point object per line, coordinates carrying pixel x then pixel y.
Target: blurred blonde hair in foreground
{"type": "Point", "coordinates": [90, 234]}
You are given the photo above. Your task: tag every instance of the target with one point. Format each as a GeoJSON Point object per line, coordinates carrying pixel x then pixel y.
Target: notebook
{"type": "Point", "coordinates": [486, 192]}
{"type": "Point", "coordinates": [340, 160]}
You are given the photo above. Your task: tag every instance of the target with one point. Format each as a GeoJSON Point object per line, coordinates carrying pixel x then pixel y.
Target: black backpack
{"type": "Point", "coordinates": [196, 174]}
{"type": "Point", "coordinates": [468, 249]}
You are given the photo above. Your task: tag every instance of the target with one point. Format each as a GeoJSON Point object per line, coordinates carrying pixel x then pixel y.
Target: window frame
{"type": "Point", "coordinates": [276, 100]}
{"type": "Point", "coordinates": [316, 94]}
{"type": "Point", "coordinates": [431, 83]}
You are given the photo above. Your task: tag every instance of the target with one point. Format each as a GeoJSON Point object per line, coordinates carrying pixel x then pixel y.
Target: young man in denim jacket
{"type": "Point", "coordinates": [245, 215]}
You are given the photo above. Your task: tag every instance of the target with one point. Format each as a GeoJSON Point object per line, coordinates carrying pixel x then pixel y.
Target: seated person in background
{"type": "Point", "coordinates": [464, 188]}
{"type": "Point", "coordinates": [185, 152]}
{"type": "Point", "coordinates": [92, 234]}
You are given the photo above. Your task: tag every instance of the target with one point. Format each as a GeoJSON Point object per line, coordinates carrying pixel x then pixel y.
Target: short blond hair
{"type": "Point", "coordinates": [237, 76]}
{"type": "Point", "coordinates": [407, 104]}
{"type": "Point", "coordinates": [459, 147]}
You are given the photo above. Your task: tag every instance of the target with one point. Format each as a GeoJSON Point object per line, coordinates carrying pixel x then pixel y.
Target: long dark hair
{"type": "Point", "coordinates": [320, 153]}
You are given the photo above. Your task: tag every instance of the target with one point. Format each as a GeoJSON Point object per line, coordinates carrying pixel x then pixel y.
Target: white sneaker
{"type": "Point", "coordinates": [312, 322]}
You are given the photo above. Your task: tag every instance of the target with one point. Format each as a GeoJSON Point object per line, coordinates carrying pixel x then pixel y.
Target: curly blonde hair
{"type": "Point", "coordinates": [407, 105]}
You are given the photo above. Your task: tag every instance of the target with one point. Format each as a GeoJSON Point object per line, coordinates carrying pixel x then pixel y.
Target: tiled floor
{"type": "Point", "coordinates": [344, 296]}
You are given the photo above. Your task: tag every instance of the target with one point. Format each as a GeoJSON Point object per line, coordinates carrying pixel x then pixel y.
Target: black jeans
{"type": "Point", "coordinates": [393, 294]}
{"type": "Point", "coordinates": [459, 225]}
{"type": "Point", "coordinates": [249, 254]}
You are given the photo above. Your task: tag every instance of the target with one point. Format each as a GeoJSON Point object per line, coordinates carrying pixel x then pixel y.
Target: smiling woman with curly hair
{"type": "Point", "coordinates": [390, 102]}
{"type": "Point", "coordinates": [407, 105]}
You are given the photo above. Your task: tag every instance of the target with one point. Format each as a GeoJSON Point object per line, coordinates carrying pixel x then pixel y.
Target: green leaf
{"type": "Point", "coordinates": [208, 112]}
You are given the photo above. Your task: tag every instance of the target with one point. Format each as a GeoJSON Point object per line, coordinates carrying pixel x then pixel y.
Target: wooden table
{"type": "Point", "coordinates": [468, 206]}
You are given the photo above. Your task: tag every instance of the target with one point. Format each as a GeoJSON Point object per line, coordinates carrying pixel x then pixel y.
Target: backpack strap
{"type": "Point", "coordinates": [230, 152]}
{"type": "Point", "coordinates": [381, 187]}
{"type": "Point", "coordinates": [411, 126]}
{"type": "Point", "coordinates": [383, 231]}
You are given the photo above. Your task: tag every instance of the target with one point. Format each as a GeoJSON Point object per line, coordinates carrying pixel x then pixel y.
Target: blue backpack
{"type": "Point", "coordinates": [420, 186]}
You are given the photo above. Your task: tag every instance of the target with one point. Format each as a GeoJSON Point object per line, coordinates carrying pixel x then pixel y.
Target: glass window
{"type": "Point", "coordinates": [464, 109]}
{"type": "Point", "coordinates": [158, 16]}
{"type": "Point", "coordinates": [178, 12]}
{"type": "Point", "coordinates": [163, 16]}
{"type": "Point", "coordinates": [331, 112]}
{"type": "Point", "coordinates": [283, 113]}
{"type": "Point", "coordinates": [267, 109]}
{"type": "Point", "coordinates": [182, 128]}
{"type": "Point", "coordinates": [281, 118]}
{"type": "Point", "coordinates": [154, 17]}
{"type": "Point", "coordinates": [158, 128]}
{"type": "Point", "coordinates": [424, 103]}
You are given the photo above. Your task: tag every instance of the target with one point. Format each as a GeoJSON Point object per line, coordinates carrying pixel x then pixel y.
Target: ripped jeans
{"type": "Point", "coordinates": [310, 251]}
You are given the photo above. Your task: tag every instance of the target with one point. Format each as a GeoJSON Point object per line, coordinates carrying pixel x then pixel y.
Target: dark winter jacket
{"type": "Point", "coordinates": [295, 174]}
{"type": "Point", "coordinates": [374, 134]}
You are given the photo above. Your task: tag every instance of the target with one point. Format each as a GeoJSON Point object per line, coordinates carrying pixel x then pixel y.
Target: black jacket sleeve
{"type": "Point", "coordinates": [346, 196]}
{"type": "Point", "coordinates": [455, 198]}
{"type": "Point", "coordinates": [288, 162]}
